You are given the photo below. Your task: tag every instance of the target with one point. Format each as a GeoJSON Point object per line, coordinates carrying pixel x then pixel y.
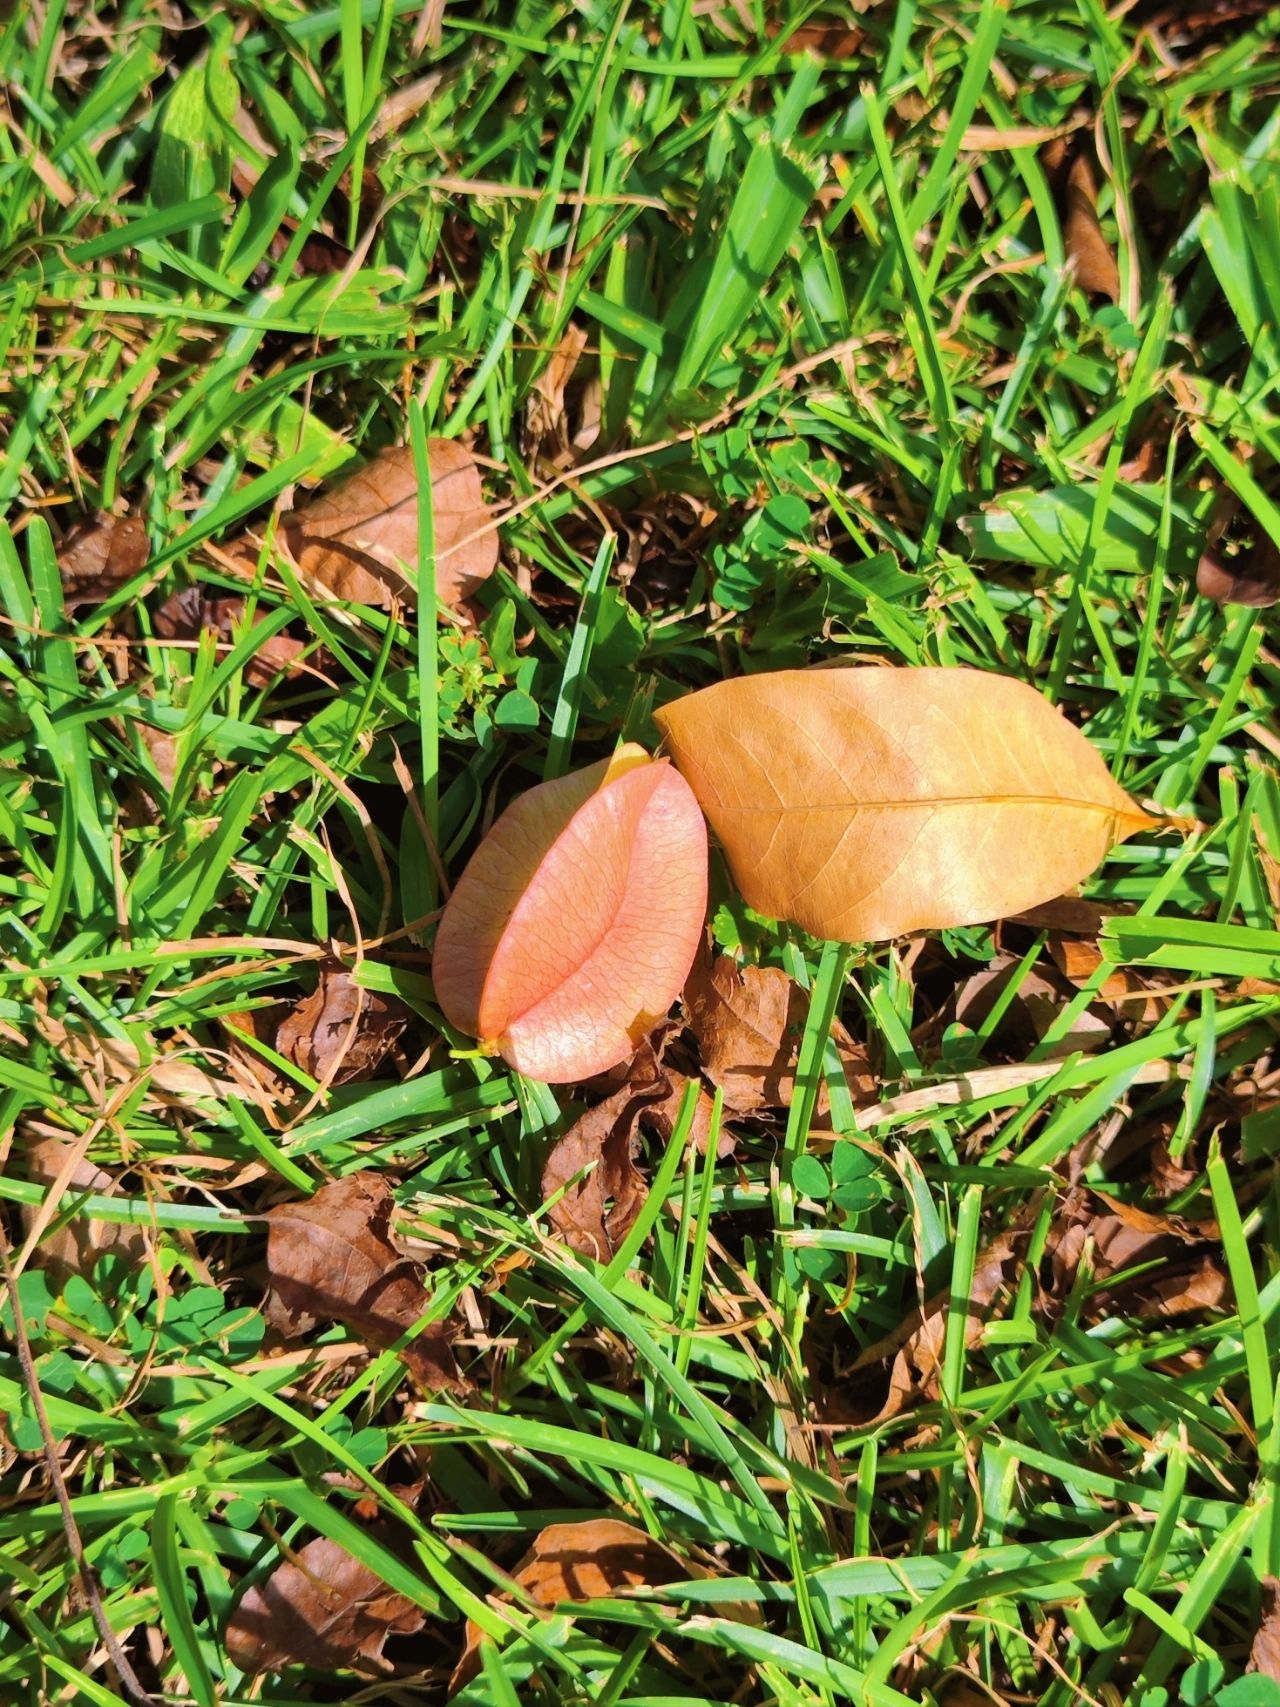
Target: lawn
{"type": "Point", "coordinates": [938, 1363]}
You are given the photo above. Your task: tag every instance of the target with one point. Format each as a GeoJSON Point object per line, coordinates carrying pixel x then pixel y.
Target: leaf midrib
{"type": "Point", "coordinates": [857, 804]}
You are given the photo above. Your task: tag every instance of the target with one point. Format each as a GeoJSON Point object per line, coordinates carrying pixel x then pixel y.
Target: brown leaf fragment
{"type": "Point", "coordinates": [1264, 1655]}
{"type": "Point", "coordinates": [1169, 1177]}
{"type": "Point", "coordinates": [186, 614]}
{"type": "Point", "coordinates": [1067, 913]}
{"type": "Point", "coordinates": [1039, 1001]}
{"type": "Point", "coordinates": [1123, 1237]}
{"type": "Point", "coordinates": [749, 1021]}
{"type": "Point", "coordinates": [1251, 577]}
{"type": "Point", "coordinates": [917, 1346]}
{"type": "Point", "coordinates": [581, 1561]}
{"type": "Point", "coordinates": [341, 1033]}
{"type": "Point", "coordinates": [548, 418]}
{"type": "Point", "coordinates": [823, 37]}
{"type": "Point", "coordinates": [334, 1257]}
{"type": "Point", "coordinates": [162, 749]}
{"type": "Point", "coordinates": [1202, 1286]}
{"type": "Point", "coordinates": [358, 538]}
{"type": "Point", "coordinates": [594, 1217]}
{"type": "Point", "coordinates": [327, 1610]}
{"type": "Point", "coordinates": [75, 1248]}
{"type": "Point", "coordinates": [1088, 251]}
{"type": "Point", "coordinates": [98, 556]}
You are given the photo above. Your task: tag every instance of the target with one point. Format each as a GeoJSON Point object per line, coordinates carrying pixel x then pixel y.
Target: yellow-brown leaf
{"type": "Point", "coordinates": [864, 803]}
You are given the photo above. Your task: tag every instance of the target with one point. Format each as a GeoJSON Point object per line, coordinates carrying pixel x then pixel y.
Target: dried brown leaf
{"type": "Point", "coordinates": [1204, 1285]}
{"type": "Point", "coordinates": [749, 1021]}
{"type": "Point", "coordinates": [334, 1257]}
{"type": "Point", "coordinates": [100, 555]}
{"type": "Point", "coordinates": [327, 1610]}
{"type": "Point", "coordinates": [828, 40]}
{"type": "Point", "coordinates": [1169, 1177]}
{"type": "Point", "coordinates": [75, 1248]}
{"type": "Point", "coordinates": [1120, 1237]}
{"type": "Point", "coordinates": [595, 1216]}
{"type": "Point", "coordinates": [1087, 249]}
{"type": "Point", "coordinates": [186, 614]}
{"type": "Point", "coordinates": [916, 1347]}
{"type": "Point", "coordinates": [356, 538]}
{"type": "Point", "coordinates": [1040, 999]}
{"type": "Point", "coordinates": [341, 1033]}
{"type": "Point", "coordinates": [1264, 1655]}
{"type": "Point", "coordinates": [581, 1561]}
{"type": "Point", "coordinates": [548, 419]}
{"type": "Point", "coordinates": [1251, 577]}
{"type": "Point", "coordinates": [162, 749]}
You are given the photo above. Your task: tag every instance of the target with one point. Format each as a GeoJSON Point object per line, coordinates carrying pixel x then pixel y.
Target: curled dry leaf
{"type": "Point", "coordinates": [341, 1033]}
{"type": "Point", "coordinates": [1088, 251]}
{"type": "Point", "coordinates": [358, 538]}
{"type": "Point", "coordinates": [333, 1257]}
{"type": "Point", "coordinates": [186, 614]}
{"type": "Point", "coordinates": [75, 1248]}
{"type": "Point", "coordinates": [100, 555]}
{"type": "Point", "coordinates": [596, 1216]}
{"type": "Point", "coordinates": [571, 931]}
{"type": "Point", "coordinates": [1264, 1654]}
{"type": "Point", "coordinates": [326, 1610]}
{"type": "Point", "coordinates": [581, 1561]}
{"type": "Point", "coordinates": [864, 803]}
{"type": "Point", "coordinates": [749, 1021]}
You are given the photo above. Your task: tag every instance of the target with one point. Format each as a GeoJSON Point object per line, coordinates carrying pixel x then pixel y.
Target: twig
{"type": "Point", "coordinates": [129, 1680]}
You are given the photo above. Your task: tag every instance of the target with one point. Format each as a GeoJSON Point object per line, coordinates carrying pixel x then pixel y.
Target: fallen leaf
{"type": "Point", "coordinates": [162, 749]}
{"type": "Point", "coordinates": [341, 1033]}
{"type": "Point", "coordinates": [1065, 913]}
{"type": "Point", "coordinates": [548, 418]}
{"type": "Point", "coordinates": [333, 1257]}
{"type": "Point", "coordinates": [1123, 1237]}
{"type": "Point", "coordinates": [573, 927]}
{"type": "Point", "coordinates": [75, 1248]}
{"type": "Point", "coordinates": [100, 555]}
{"type": "Point", "coordinates": [1203, 1286]}
{"type": "Point", "coordinates": [1088, 251]}
{"type": "Point", "coordinates": [1123, 989]}
{"type": "Point", "coordinates": [917, 1346]}
{"type": "Point", "coordinates": [1169, 1177]}
{"type": "Point", "coordinates": [827, 40]}
{"type": "Point", "coordinates": [1250, 577]}
{"type": "Point", "coordinates": [186, 614]}
{"type": "Point", "coordinates": [327, 1610]}
{"type": "Point", "coordinates": [864, 803]}
{"type": "Point", "coordinates": [596, 1216]}
{"type": "Point", "coordinates": [1264, 1655]}
{"type": "Point", "coordinates": [581, 1561]}
{"type": "Point", "coordinates": [358, 538]}
{"type": "Point", "coordinates": [1041, 996]}
{"type": "Point", "coordinates": [749, 1021]}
